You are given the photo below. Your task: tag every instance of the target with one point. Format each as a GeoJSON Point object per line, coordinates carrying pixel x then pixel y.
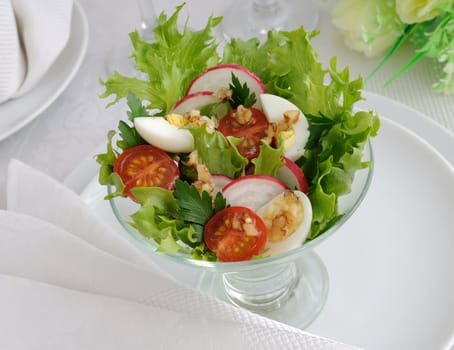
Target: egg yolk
{"type": "Point", "coordinates": [287, 138]}
{"type": "Point", "coordinates": [177, 120]}
{"type": "Point", "coordinates": [283, 216]}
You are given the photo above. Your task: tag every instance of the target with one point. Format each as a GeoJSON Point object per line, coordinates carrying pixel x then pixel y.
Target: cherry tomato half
{"type": "Point", "coordinates": [146, 166]}
{"type": "Point", "coordinates": [251, 129]}
{"type": "Point", "coordinates": [235, 234]}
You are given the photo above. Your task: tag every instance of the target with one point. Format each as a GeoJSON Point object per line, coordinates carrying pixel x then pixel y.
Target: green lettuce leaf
{"type": "Point", "coordinates": [128, 137]}
{"type": "Point", "coordinates": [156, 219]}
{"type": "Point", "coordinates": [169, 63]}
{"type": "Point", "coordinates": [331, 162]}
{"type": "Point", "coordinates": [289, 67]}
{"type": "Point", "coordinates": [218, 153]}
{"type": "Point", "coordinates": [255, 56]}
{"type": "Point", "coordinates": [106, 161]}
{"type": "Point", "coordinates": [269, 160]}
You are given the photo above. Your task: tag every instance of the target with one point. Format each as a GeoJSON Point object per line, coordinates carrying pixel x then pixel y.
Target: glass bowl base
{"type": "Point", "coordinates": [293, 293]}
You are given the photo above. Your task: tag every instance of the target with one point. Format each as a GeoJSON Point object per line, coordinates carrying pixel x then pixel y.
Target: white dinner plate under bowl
{"type": "Point", "coordinates": [17, 113]}
{"type": "Point", "coordinates": [391, 266]}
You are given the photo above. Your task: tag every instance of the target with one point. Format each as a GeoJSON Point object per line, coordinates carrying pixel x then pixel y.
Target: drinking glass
{"type": "Point", "coordinates": [119, 58]}
{"type": "Point", "coordinates": [254, 18]}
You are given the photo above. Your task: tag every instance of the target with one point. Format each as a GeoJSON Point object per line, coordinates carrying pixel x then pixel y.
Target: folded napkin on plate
{"type": "Point", "coordinates": [66, 282]}
{"type": "Point", "coordinates": [32, 35]}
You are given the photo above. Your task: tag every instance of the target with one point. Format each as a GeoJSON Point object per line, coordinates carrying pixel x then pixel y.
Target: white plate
{"type": "Point", "coordinates": [17, 113]}
{"type": "Point", "coordinates": [438, 136]}
{"type": "Point", "coordinates": [391, 266]}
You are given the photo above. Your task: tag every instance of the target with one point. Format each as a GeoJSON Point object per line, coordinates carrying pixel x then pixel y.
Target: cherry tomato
{"type": "Point", "coordinates": [146, 166]}
{"type": "Point", "coordinates": [252, 129]}
{"type": "Point", "coordinates": [235, 234]}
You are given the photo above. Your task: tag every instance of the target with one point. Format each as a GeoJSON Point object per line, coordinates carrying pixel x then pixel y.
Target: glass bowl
{"type": "Point", "coordinates": [291, 287]}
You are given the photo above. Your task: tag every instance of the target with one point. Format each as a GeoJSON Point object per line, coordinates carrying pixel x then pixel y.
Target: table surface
{"type": "Point", "coordinates": [58, 139]}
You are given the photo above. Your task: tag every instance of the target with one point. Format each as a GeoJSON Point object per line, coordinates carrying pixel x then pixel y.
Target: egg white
{"type": "Point", "coordinates": [274, 108]}
{"type": "Point", "coordinates": [298, 237]}
{"type": "Point", "coordinates": [160, 133]}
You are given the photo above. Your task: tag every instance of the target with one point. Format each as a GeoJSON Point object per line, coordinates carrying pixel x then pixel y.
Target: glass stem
{"type": "Point", "coordinates": [261, 289]}
{"type": "Point", "coordinates": [148, 18]}
{"type": "Point", "coordinates": [265, 4]}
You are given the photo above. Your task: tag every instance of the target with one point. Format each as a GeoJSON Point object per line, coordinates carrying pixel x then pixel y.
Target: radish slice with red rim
{"type": "Point", "coordinates": [220, 76]}
{"type": "Point", "coordinates": [252, 191]}
{"type": "Point", "coordinates": [292, 176]}
{"type": "Point", "coordinates": [195, 101]}
{"type": "Point", "coordinates": [219, 182]}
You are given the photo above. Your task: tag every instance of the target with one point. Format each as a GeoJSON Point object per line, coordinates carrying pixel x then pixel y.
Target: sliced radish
{"type": "Point", "coordinates": [252, 191]}
{"type": "Point", "coordinates": [194, 101]}
{"type": "Point", "coordinates": [274, 108]}
{"type": "Point", "coordinates": [288, 219]}
{"type": "Point", "coordinates": [158, 132]}
{"type": "Point", "coordinates": [292, 176]}
{"type": "Point", "coordinates": [221, 76]}
{"type": "Point", "coordinates": [219, 182]}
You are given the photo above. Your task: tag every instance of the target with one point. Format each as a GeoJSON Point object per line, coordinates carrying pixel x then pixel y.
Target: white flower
{"type": "Point", "coordinates": [416, 11]}
{"type": "Point", "coordinates": [368, 26]}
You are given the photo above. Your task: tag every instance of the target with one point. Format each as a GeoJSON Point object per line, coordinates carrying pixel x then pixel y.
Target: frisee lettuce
{"type": "Point", "coordinates": [169, 63]}
{"type": "Point", "coordinates": [269, 160]}
{"type": "Point", "coordinates": [289, 67]}
{"type": "Point", "coordinates": [219, 153]}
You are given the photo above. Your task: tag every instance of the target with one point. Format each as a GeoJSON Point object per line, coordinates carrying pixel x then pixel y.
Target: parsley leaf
{"type": "Point", "coordinates": [219, 202]}
{"type": "Point", "coordinates": [319, 125]}
{"type": "Point", "coordinates": [128, 133]}
{"type": "Point", "coordinates": [130, 136]}
{"type": "Point", "coordinates": [194, 207]}
{"type": "Point", "coordinates": [241, 95]}
{"type": "Point", "coordinates": [135, 106]}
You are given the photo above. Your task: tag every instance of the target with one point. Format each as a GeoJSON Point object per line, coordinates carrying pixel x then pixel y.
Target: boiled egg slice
{"type": "Point", "coordinates": [287, 218]}
{"type": "Point", "coordinates": [160, 133]}
{"type": "Point", "coordinates": [277, 110]}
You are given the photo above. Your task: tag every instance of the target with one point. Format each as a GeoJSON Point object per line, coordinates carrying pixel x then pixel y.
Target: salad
{"type": "Point", "coordinates": [235, 156]}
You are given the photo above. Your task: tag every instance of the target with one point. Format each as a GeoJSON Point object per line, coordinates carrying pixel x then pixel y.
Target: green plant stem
{"type": "Point", "coordinates": [410, 63]}
{"type": "Point", "coordinates": [400, 40]}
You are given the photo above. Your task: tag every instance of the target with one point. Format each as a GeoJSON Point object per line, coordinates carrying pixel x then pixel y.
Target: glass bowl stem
{"type": "Point", "coordinates": [293, 291]}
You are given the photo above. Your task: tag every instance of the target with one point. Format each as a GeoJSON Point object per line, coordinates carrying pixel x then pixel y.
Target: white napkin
{"type": "Point", "coordinates": [65, 285]}
{"type": "Point", "coordinates": [32, 35]}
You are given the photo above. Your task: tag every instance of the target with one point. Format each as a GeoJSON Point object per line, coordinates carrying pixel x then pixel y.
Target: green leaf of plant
{"type": "Point", "coordinates": [193, 207]}
{"type": "Point", "coordinates": [219, 153]}
{"type": "Point", "coordinates": [241, 95]}
{"type": "Point", "coordinates": [269, 160]}
{"type": "Point", "coordinates": [135, 106]}
{"type": "Point", "coordinates": [129, 136]}
{"type": "Point", "coordinates": [106, 161]}
{"type": "Point", "coordinates": [168, 64]}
